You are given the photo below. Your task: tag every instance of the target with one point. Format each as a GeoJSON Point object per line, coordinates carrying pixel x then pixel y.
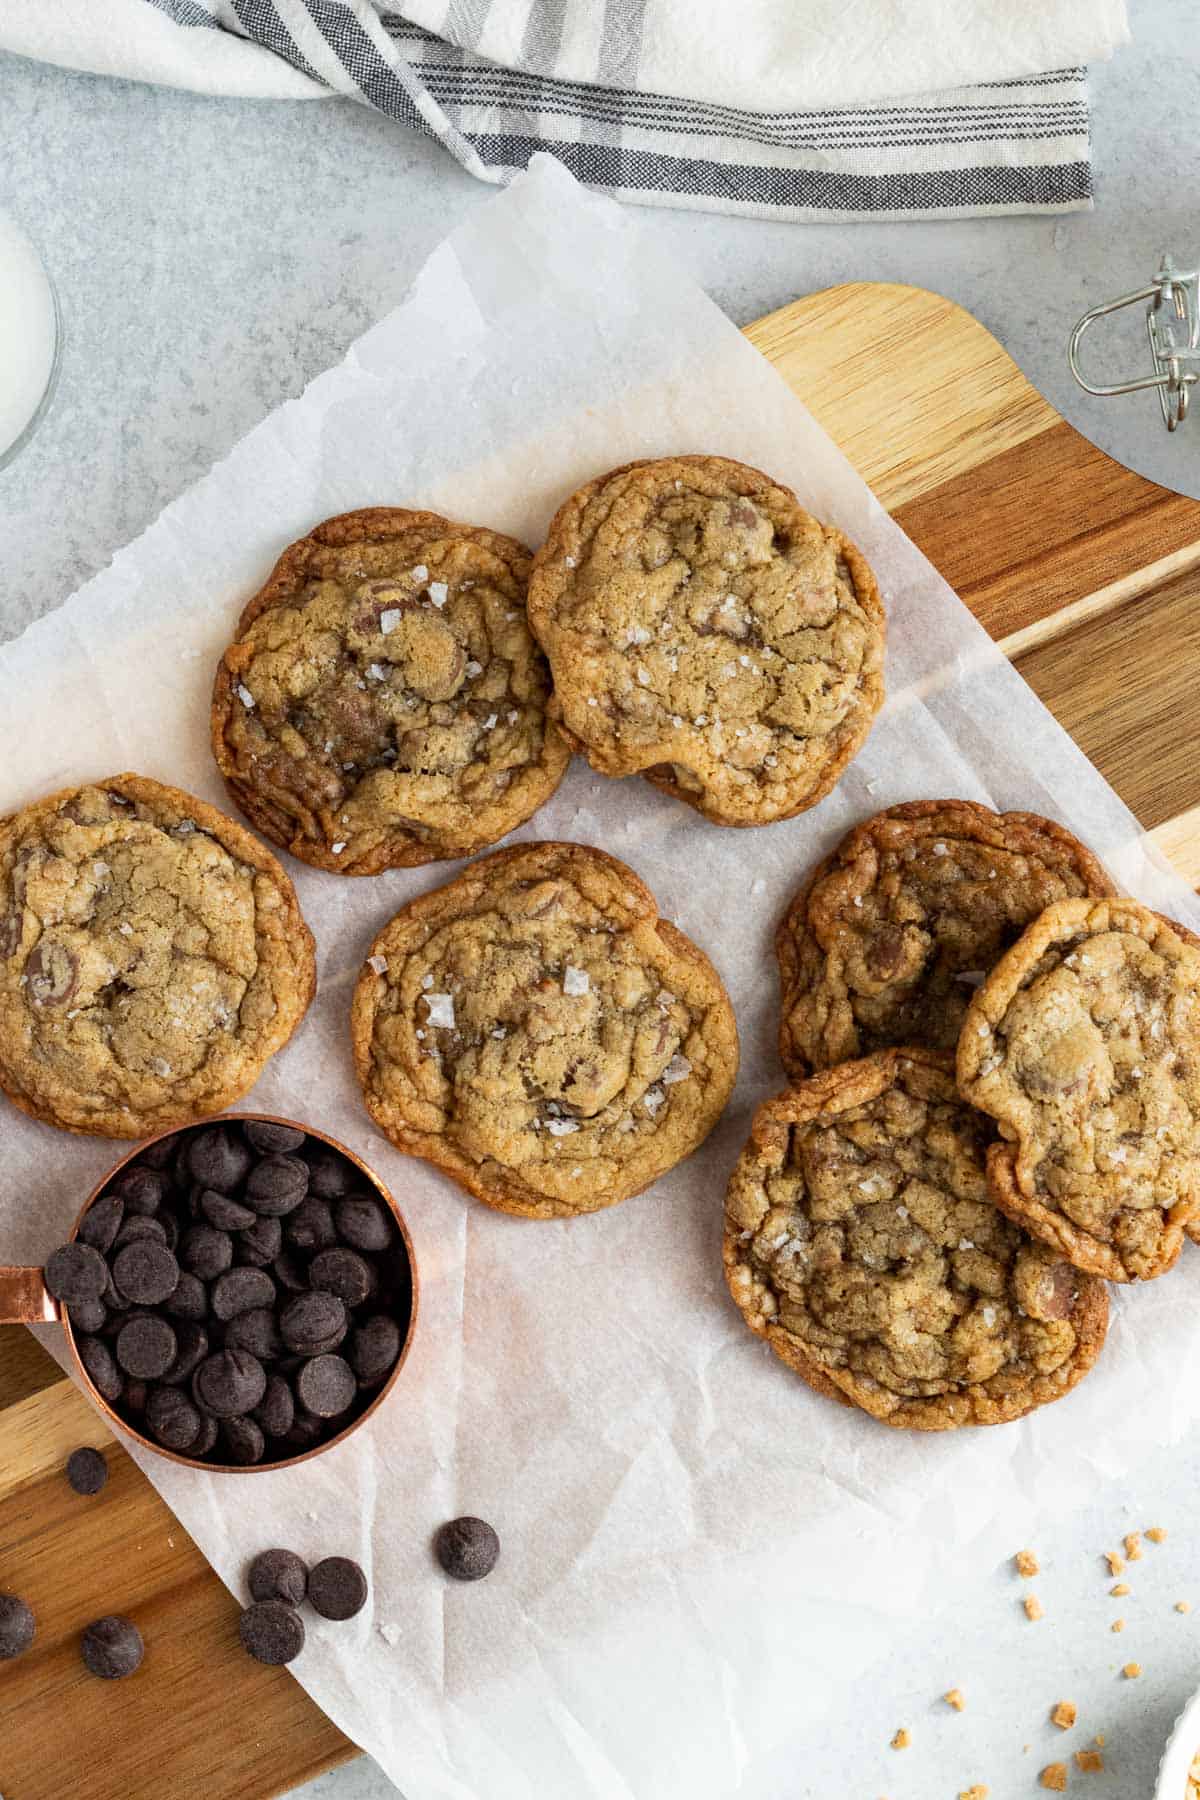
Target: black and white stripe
{"type": "Point", "coordinates": [1007, 146]}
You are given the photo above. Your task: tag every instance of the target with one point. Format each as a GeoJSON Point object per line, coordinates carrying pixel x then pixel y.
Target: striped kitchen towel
{"type": "Point", "coordinates": [780, 109]}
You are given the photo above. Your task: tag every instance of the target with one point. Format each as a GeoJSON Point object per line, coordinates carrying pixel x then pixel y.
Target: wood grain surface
{"type": "Point", "coordinates": [1088, 575]}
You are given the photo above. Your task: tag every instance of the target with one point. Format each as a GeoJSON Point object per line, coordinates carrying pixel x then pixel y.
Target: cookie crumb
{"type": "Point", "coordinates": [1157, 1535]}
{"type": "Point", "coordinates": [1099, 1739]}
{"type": "Point", "coordinates": [978, 1792]}
{"type": "Point", "coordinates": [1054, 1777]}
{"type": "Point", "coordinates": [1064, 1715]}
{"type": "Point", "coordinates": [1183, 1606]}
{"type": "Point", "coordinates": [1117, 1625]}
{"type": "Point", "coordinates": [1131, 1671]}
{"type": "Point", "coordinates": [956, 1698]}
{"type": "Point", "coordinates": [902, 1740]}
{"type": "Point", "coordinates": [1027, 1563]}
{"type": "Point", "coordinates": [1033, 1607]}
{"type": "Point", "coordinates": [1133, 1546]}
{"type": "Point", "coordinates": [1090, 1761]}
{"type": "Point", "coordinates": [1121, 1589]}
{"type": "Point", "coordinates": [1116, 1562]}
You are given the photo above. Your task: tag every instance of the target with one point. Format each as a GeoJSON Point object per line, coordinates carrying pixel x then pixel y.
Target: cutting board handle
{"type": "Point", "coordinates": [25, 1299]}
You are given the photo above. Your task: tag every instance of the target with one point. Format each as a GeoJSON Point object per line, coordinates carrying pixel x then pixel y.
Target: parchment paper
{"type": "Point", "coordinates": [698, 1552]}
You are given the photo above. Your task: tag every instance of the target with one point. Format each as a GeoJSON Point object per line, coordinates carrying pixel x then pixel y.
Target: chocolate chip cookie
{"type": "Point", "coordinates": [1084, 1043]}
{"type": "Point", "coordinates": [536, 1030]}
{"type": "Point", "coordinates": [152, 957]}
{"type": "Point", "coordinates": [861, 1243]}
{"type": "Point", "coordinates": [891, 935]}
{"type": "Point", "coordinates": [384, 703]}
{"type": "Point", "coordinates": [704, 630]}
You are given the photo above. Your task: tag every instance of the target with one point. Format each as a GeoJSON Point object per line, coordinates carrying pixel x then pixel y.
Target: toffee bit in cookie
{"type": "Point", "coordinates": [955, 1698]}
{"type": "Point", "coordinates": [1090, 1761]}
{"type": "Point", "coordinates": [1054, 1777]}
{"type": "Point", "coordinates": [1157, 1535]}
{"type": "Point", "coordinates": [1064, 1715]}
{"type": "Point", "coordinates": [1133, 1546]}
{"type": "Point", "coordinates": [1027, 1564]}
{"type": "Point", "coordinates": [902, 1740]}
{"type": "Point", "coordinates": [1033, 1607]}
{"type": "Point", "coordinates": [1131, 1671]}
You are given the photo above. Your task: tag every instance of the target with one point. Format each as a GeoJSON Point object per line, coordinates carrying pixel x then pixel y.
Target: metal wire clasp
{"type": "Point", "coordinates": [1173, 328]}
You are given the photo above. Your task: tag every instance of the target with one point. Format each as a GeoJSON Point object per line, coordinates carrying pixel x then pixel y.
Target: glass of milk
{"type": "Point", "coordinates": [30, 339]}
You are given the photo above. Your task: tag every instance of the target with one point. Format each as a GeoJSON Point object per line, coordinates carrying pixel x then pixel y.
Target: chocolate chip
{"type": "Point", "coordinates": [230, 1383]}
{"type": "Point", "coordinates": [172, 1419]}
{"type": "Point", "coordinates": [157, 1155]}
{"type": "Point", "coordinates": [467, 1548]}
{"type": "Point", "coordinates": [270, 1139]}
{"type": "Point", "coordinates": [138, 1228]}
{"type": "Point", "coordinates": [277, 1185]}
{"type": "Point", "coordinates": [145, 1272]}
{"type": "Point", "coordinates": [146, 1348]}
{"type": "Point", "coordinates": [289, 1273]}
{"type": "Point", "coordinates": [313, 1323]}
{"type": "Point", "coordinates": [208, 1436]}
{"type": "Point", "coordinates": [256, 1331]}
{"type": "Point", "coordinates": [219, 1159]}
{"type": "Point", "coordinates": [311, 1226]}
{"type": "Point", "coordinates": [87, 1471]}
{"type": "Point", "coordinates": [278, 1575]}
{"type": "Point", "coordinates": [239, 1291]}
{"type": "Point", "coordinates": [133, 1399]}
{"type": "Point", "coordinates": [337, 1588]}
{"type": "Point", "coordinates": [170, 1225]}
{"type": "Point", "coordinates": [244, 1440]}
{"type": "Point", "coordinates": [329, 1175]}
{"type": "Point", "coordinates": [141, 1190]}
{"type": "Point", "coordinates": [102, 1221]}
{"type": "Point", "coordinates": [271, 1632]}
{"type": "Point", "coordinates": [205, 1251]}
{"type": "Point", "coordinates": [17, 1627]}
{"type": "Point", "coordinates": [260, 1243]}
{"type": "Point", "coordinates": [276, 1411]}
{"type": "Point", "coordinates": [305, 1429]}
{"type": "Point", "coordinates": [76, 1272]}
{"type": "Point", "coordinates": [87, 1315]}
{"type": "Point", "coordinates": [191, 1348]}
{"type": "Point", "coordinates": [112, 1648]}
{"type": "Point", "coordinates": [227, 1214]}
{"type": "Point", "coordinates": [374, 1347]}
{"type": "Point", "coordinates": [363, 1223]}
{"type": "Point", "coordinates": [190, 1299]}
{"type": "Point", "coordinates": [50, 974]}
{"type": "Point", "coordinates": [326, 1386]}
{"type": "Point", "coordinates": [344, 1273]}
{"type": "Point", "coordinates": [114, 1302]}
{"type": "Point", "coordinates": [97, 1360]}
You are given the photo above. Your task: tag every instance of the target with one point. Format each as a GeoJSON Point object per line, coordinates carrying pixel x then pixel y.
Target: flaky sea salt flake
{"type": "Point", "coordinates": [245, 696]}
{"type": "Point", "coordinates": [439, 593]}
{"type": "Point", "coordinates": [378, 963]}
{"type": "Point", "coordinates": [388, 620]}
{"type": "Point", "coordinates": [678, 1069]}
{"type": "Point", "coordinates": [441, 1010]}
{"type": "Point", "coordinates": [575, 981]}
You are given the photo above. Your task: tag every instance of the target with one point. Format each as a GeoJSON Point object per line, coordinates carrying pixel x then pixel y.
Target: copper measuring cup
{"type": "Point", "coordinates": [24, 1300]}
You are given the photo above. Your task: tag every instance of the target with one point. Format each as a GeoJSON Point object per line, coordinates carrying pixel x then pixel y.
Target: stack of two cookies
{"type": "Point", "coordinates": [996, 1103]}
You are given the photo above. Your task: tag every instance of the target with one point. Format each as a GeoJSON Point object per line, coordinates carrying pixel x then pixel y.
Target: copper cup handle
{"type": "Point", "coordinates": [25, 1299]}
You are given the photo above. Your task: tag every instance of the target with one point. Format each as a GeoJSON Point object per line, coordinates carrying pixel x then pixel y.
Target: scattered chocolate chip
{"type": "Point", "coordinates": [226, 1214]}
{"type": "Point", "coordinates": [172, 1419]}
{"type": "Point", "coordinates": [278, 1575]}
{"type": "Point", "coordinates": [289, 1273]}
{"type": "Point", "coordinates": [374, 1347]}
{"type": "Point", "coordinates": [256, 1331]}
{"type": "Point", "coordinates": [313, 1323]}
{"type": "Point", "coordinates": [17, 1627]}
{"type": "Point", "coordinates": [260, 1243]}
{"type": "Point", "coordinates": [141, 1190]}
{"type": "Point", "coordinates": [467, 1548]}
{"type": "Point", "coordinates": [363, 1223]}
{"type": "Point", "coordinates": [112, 1648]}
{"type": "Point", "coordinates": [102, 1221]}
{"type": "Point", "coordinates": [326, 1386]}
{"type": "Point", "coordinates": [271, 1632]}
{"type": "Point", "coordinates": [277, 1185]}
{"type": "Point", "coordinates": [276, 1411]}
{"type": "Point", "coordinates": [76, 1272]}
{"type": "Point", "coordinates": [191, 1348]}
{"type": "Point", "coordinates": [145, 1272]}
{"type": "Point", "coordinates": [87, 1315]}
{"type": "Point", "coordinates": [270, 1139]}
{"type": "Point", "coordinates": [344, 1273]}
{"type": "Point", "coordinates": [337, 1588]}
{"type": "Point", "coordinates": [219, 1159]}
{"type": "Point", "coordinates": [311, 1226]}
{"type": "Point", "coordinates": [209, 1432]}
{"type": "Point", "coordinates": [138, 1227]}
{"type": "Point", "coordinates": [190, 1299]}
{"type": "Point", "coordinates": [329, 1175]}
{"type": "Point", "coordinates": [205, 1251]}
{"type": "Point", "coordinates": [103, 1372]}
{"type": "Point", "coordinates": [230, 1383]}
{"type": "Point", "coordinates": [240, 1290]}
{"type": "Point", "coordinates": [244, 1440]}
{"type": "Point", "coordinates": [87, 1470]}
{"type": "Point", "coordinates": [146, 1348]}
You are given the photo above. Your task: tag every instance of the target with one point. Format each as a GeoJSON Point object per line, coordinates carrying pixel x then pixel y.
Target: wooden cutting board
{"type": "Point", "coordinates": [1087, 575]}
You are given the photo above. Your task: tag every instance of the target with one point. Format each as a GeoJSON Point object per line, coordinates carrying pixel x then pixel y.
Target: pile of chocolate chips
{"type": "Point", "coordinates": [238, 1292]}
